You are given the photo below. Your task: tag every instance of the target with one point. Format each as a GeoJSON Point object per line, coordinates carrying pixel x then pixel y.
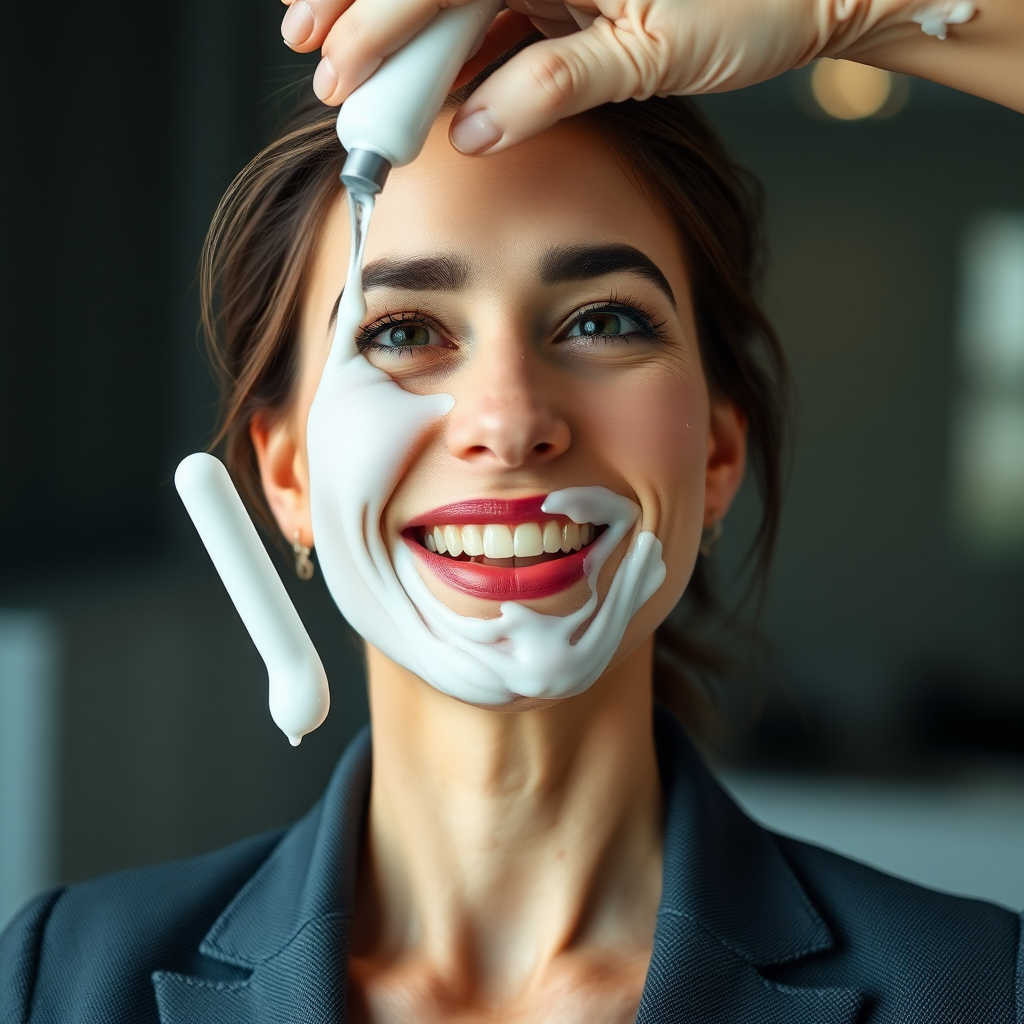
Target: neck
{"type": "Point", "coordinates": [501, 842]}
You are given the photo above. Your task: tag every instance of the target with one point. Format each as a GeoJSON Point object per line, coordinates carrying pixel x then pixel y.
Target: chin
{"type": "Point", "coordinates": [518, 705]}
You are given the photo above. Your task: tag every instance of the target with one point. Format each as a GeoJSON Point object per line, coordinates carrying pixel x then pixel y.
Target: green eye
{"type": "Point", "coordinates": [405, 336]}
{"type": "Point", "coordinates": [603, 325]}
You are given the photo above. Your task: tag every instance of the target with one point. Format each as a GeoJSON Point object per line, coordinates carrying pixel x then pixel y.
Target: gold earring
{"type": "Point", "coordinates": [303, 565]}
{"type": "Point", "coordinates": [711, 535]}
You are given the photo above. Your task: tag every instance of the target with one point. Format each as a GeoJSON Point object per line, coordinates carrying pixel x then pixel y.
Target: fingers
{"type": "Point", "coordinates": [306, 22]}
{"type": "Point", "coordinates": [507, 29]}
{"type": "Point", "coordinates": [552, 27]}
{"type": "Point", "coordinates": [552, 10]}
{"type": "Point", "coordinates": [549, 17]}
{"type": "Point", "coordinates": [553, 79]}
{"type": "Point", "coordinates": [366, 33]}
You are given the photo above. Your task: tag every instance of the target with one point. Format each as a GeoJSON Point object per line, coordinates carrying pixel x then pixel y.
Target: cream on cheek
{"type": "Point", "coordinates": [361, 430]}
{"type": "Point", "coordinates": [655, 427]}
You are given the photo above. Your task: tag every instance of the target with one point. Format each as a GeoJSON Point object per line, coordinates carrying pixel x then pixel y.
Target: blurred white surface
{"type": "Point", "coordinates": [28, 751]}
{"type": "Point", "coordinates": [988, 422]}
{"type": "Point", "coordinates": [965, 838]}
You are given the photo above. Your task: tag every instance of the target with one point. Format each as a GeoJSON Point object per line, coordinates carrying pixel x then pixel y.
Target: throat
{"type": "Point", "coordinates": [499, 845]}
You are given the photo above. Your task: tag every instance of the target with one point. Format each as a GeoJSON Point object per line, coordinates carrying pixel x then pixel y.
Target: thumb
{"type": "Point", "coordinates": [556, 78]}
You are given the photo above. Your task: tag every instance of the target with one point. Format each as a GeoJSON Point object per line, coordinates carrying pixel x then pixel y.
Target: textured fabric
{"type": "Point", "coordinates": [896, 943]}
{"type": "Point", "coordinates": [1020, 969]}
{"type": "Point", "coordinates": [752, 929]}
{"type": "Point", "coordinates": [693, 977]}
{"type": "Point", "coordinates": [19, 956]}
{"type": "Point", "coordinates": [100, 941]}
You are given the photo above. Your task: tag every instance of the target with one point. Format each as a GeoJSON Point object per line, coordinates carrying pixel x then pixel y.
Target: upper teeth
{"type": "Point", "coordinates": [496, 540]}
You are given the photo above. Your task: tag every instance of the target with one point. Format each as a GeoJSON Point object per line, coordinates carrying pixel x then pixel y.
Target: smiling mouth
{"type": "Point", "coordinates": [502, 550]}
{"type": "Point", "coordinates": [508, 547]}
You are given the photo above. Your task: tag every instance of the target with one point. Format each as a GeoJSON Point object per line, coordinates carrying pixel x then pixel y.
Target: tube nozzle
{"type": "Point", "coordinates": [364, 171]}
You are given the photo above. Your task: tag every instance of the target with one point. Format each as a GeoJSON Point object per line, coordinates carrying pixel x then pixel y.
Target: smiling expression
{"type": "Point", "coordinates": [549, 297]}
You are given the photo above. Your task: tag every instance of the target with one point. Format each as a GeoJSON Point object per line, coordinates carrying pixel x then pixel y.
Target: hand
{"type": "Point", "coordinates": [601, 51]}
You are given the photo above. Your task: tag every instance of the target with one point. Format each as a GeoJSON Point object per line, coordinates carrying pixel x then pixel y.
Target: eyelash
{"type": "Point", "coordinates": [364, 339]}
{"type": "Point", "coordinates": [650, 328]}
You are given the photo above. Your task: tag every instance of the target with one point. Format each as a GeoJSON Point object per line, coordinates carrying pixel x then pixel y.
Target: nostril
{"type": "Point", "coordinates": [543, 448]}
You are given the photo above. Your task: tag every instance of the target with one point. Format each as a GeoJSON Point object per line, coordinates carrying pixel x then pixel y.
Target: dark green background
{"type": "Point", "coordinates": [890, 647]}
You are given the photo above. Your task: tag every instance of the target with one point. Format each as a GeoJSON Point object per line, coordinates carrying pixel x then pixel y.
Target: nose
{"type": "Point", "coordinates": [504, 411]}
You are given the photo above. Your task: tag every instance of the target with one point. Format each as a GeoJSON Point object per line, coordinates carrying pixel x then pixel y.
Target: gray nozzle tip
{"type": "Point", "coordinates": [365, 171]}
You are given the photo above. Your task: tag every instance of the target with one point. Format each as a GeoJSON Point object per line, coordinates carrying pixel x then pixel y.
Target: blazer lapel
{"type": "Point", "coordinates": [289, 926]}
{"type": "Point", "coordinates": [730, 905]}
{"type": "Point", "coordinates": [694, 978]}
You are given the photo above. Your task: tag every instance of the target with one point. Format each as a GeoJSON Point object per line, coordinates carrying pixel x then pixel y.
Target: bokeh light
{"type": "Point", "coordinates": [850, 91]}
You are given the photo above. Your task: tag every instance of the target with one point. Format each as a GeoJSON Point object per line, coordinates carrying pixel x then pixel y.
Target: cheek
{"type": "Point", "coordinates": [658, 437]}
{"type": "Point", "coordinates": [655, 434]}
{"type": "Point", "coordinates": [654, 430]}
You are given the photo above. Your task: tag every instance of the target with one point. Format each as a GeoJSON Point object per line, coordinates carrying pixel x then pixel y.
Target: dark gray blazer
{"type": "Point", "coordinates": [753, 929]}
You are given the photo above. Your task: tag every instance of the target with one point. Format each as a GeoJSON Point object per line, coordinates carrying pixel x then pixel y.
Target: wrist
{"type": "Point", "coordinates": [849, 28]}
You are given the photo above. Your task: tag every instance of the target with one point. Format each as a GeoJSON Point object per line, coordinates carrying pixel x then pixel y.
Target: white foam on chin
{"type": "Point", "coordinates": [363, 428]}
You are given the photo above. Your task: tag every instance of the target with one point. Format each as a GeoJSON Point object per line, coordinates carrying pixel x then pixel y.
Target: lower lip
{"type": "Point", "coordinates": [494, 583]}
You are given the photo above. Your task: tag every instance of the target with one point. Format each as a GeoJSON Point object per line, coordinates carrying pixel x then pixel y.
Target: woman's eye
{"type": "Point", "coordinates": [602, 324]}
{"type": "Point", "coordinates": [404, 336]}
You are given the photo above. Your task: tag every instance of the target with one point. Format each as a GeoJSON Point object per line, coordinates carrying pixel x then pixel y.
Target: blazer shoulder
{"type": "Point", "coordinates": [86, 952]}
{"type": "Point", "coordinates": [19, 956]}
{"type": "Point", "coordinates": [918, 951]}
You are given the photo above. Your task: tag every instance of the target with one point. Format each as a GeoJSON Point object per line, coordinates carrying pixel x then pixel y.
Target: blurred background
{"type": "Point", "coordinates": [883, 712]}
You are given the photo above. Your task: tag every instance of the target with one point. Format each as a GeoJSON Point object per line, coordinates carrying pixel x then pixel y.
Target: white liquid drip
{"type": "Point", "coordinates": [362, 430]}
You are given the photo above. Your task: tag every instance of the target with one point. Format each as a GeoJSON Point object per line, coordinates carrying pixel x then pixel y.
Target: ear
{"type": "Point", "coordinates": [284, 473]}
{"type": "Point", "coordinates": [727, 458]}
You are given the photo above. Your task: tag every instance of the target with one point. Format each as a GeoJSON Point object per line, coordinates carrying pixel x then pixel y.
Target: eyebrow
{"type": "Point", "coordinates": [564, 263]}
{"type": "Point", "coordinates": [441, 273]}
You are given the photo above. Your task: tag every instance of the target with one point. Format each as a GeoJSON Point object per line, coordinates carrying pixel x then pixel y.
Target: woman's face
{"type": "Point", "coordinates": [551, 299]}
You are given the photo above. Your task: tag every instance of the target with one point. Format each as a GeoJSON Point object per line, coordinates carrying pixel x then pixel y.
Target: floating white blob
{"type": "Point", "coordinates": [936, 18]}
{"type": "Point", "coordinates": [363, 428]}
{"type": "Point", "coordinates": [299, 697]}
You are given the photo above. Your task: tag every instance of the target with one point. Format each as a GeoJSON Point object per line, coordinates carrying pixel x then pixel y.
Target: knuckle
{"type": "Point", "coordinates": [353, 31]}
{"type": "Point", "coordinates": [558, 77]}
{"type": "Point", "coordinates": [642, 64]}
{"type": "Point", "coordinates": [640, 47]}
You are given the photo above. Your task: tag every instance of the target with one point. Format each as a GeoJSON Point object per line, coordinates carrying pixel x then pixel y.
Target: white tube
{"type": "Point", "coordinates": [391, 112]}
{"type": "Point", "coordinates": [299, 696]}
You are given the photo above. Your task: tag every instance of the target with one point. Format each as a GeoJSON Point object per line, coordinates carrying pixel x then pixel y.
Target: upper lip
{"type": "Point", "coordinates": [483, 510]}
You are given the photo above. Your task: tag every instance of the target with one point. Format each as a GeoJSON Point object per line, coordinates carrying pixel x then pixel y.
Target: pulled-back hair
{"type": "Point", "coordinates": [265, 234]}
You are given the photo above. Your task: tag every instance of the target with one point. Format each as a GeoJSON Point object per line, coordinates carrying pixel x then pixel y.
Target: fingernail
{"type": "Point", "coordinates": [297, 24]}
{"type": "Point", "coordinates": [325, 80]}
{"type": "Point", "coordinates": [475, 132]}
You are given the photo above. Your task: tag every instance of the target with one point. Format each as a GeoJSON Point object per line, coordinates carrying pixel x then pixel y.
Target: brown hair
{"type": "Point", "coordinates": [265, 233]}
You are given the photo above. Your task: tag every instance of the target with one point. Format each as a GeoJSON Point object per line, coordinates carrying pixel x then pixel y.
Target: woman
{"type": "Point", "coordinates": [586, 300]}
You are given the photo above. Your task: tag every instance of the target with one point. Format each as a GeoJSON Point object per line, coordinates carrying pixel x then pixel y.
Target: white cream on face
{"type": "Point", "coordinates": [362, 428]}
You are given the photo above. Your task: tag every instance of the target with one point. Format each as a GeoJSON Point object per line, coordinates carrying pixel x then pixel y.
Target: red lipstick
{"type": "Point", "coordinates": [484, 510]}
{"type": "Point", "coordinates": [495, 583]}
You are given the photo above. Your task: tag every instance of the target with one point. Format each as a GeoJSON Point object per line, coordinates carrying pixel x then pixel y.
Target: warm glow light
{"type": "Point", "coordinates": [850, 91]}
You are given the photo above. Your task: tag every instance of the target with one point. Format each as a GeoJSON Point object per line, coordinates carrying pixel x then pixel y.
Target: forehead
{"type": "Point", "coordinates": [502, 213]}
